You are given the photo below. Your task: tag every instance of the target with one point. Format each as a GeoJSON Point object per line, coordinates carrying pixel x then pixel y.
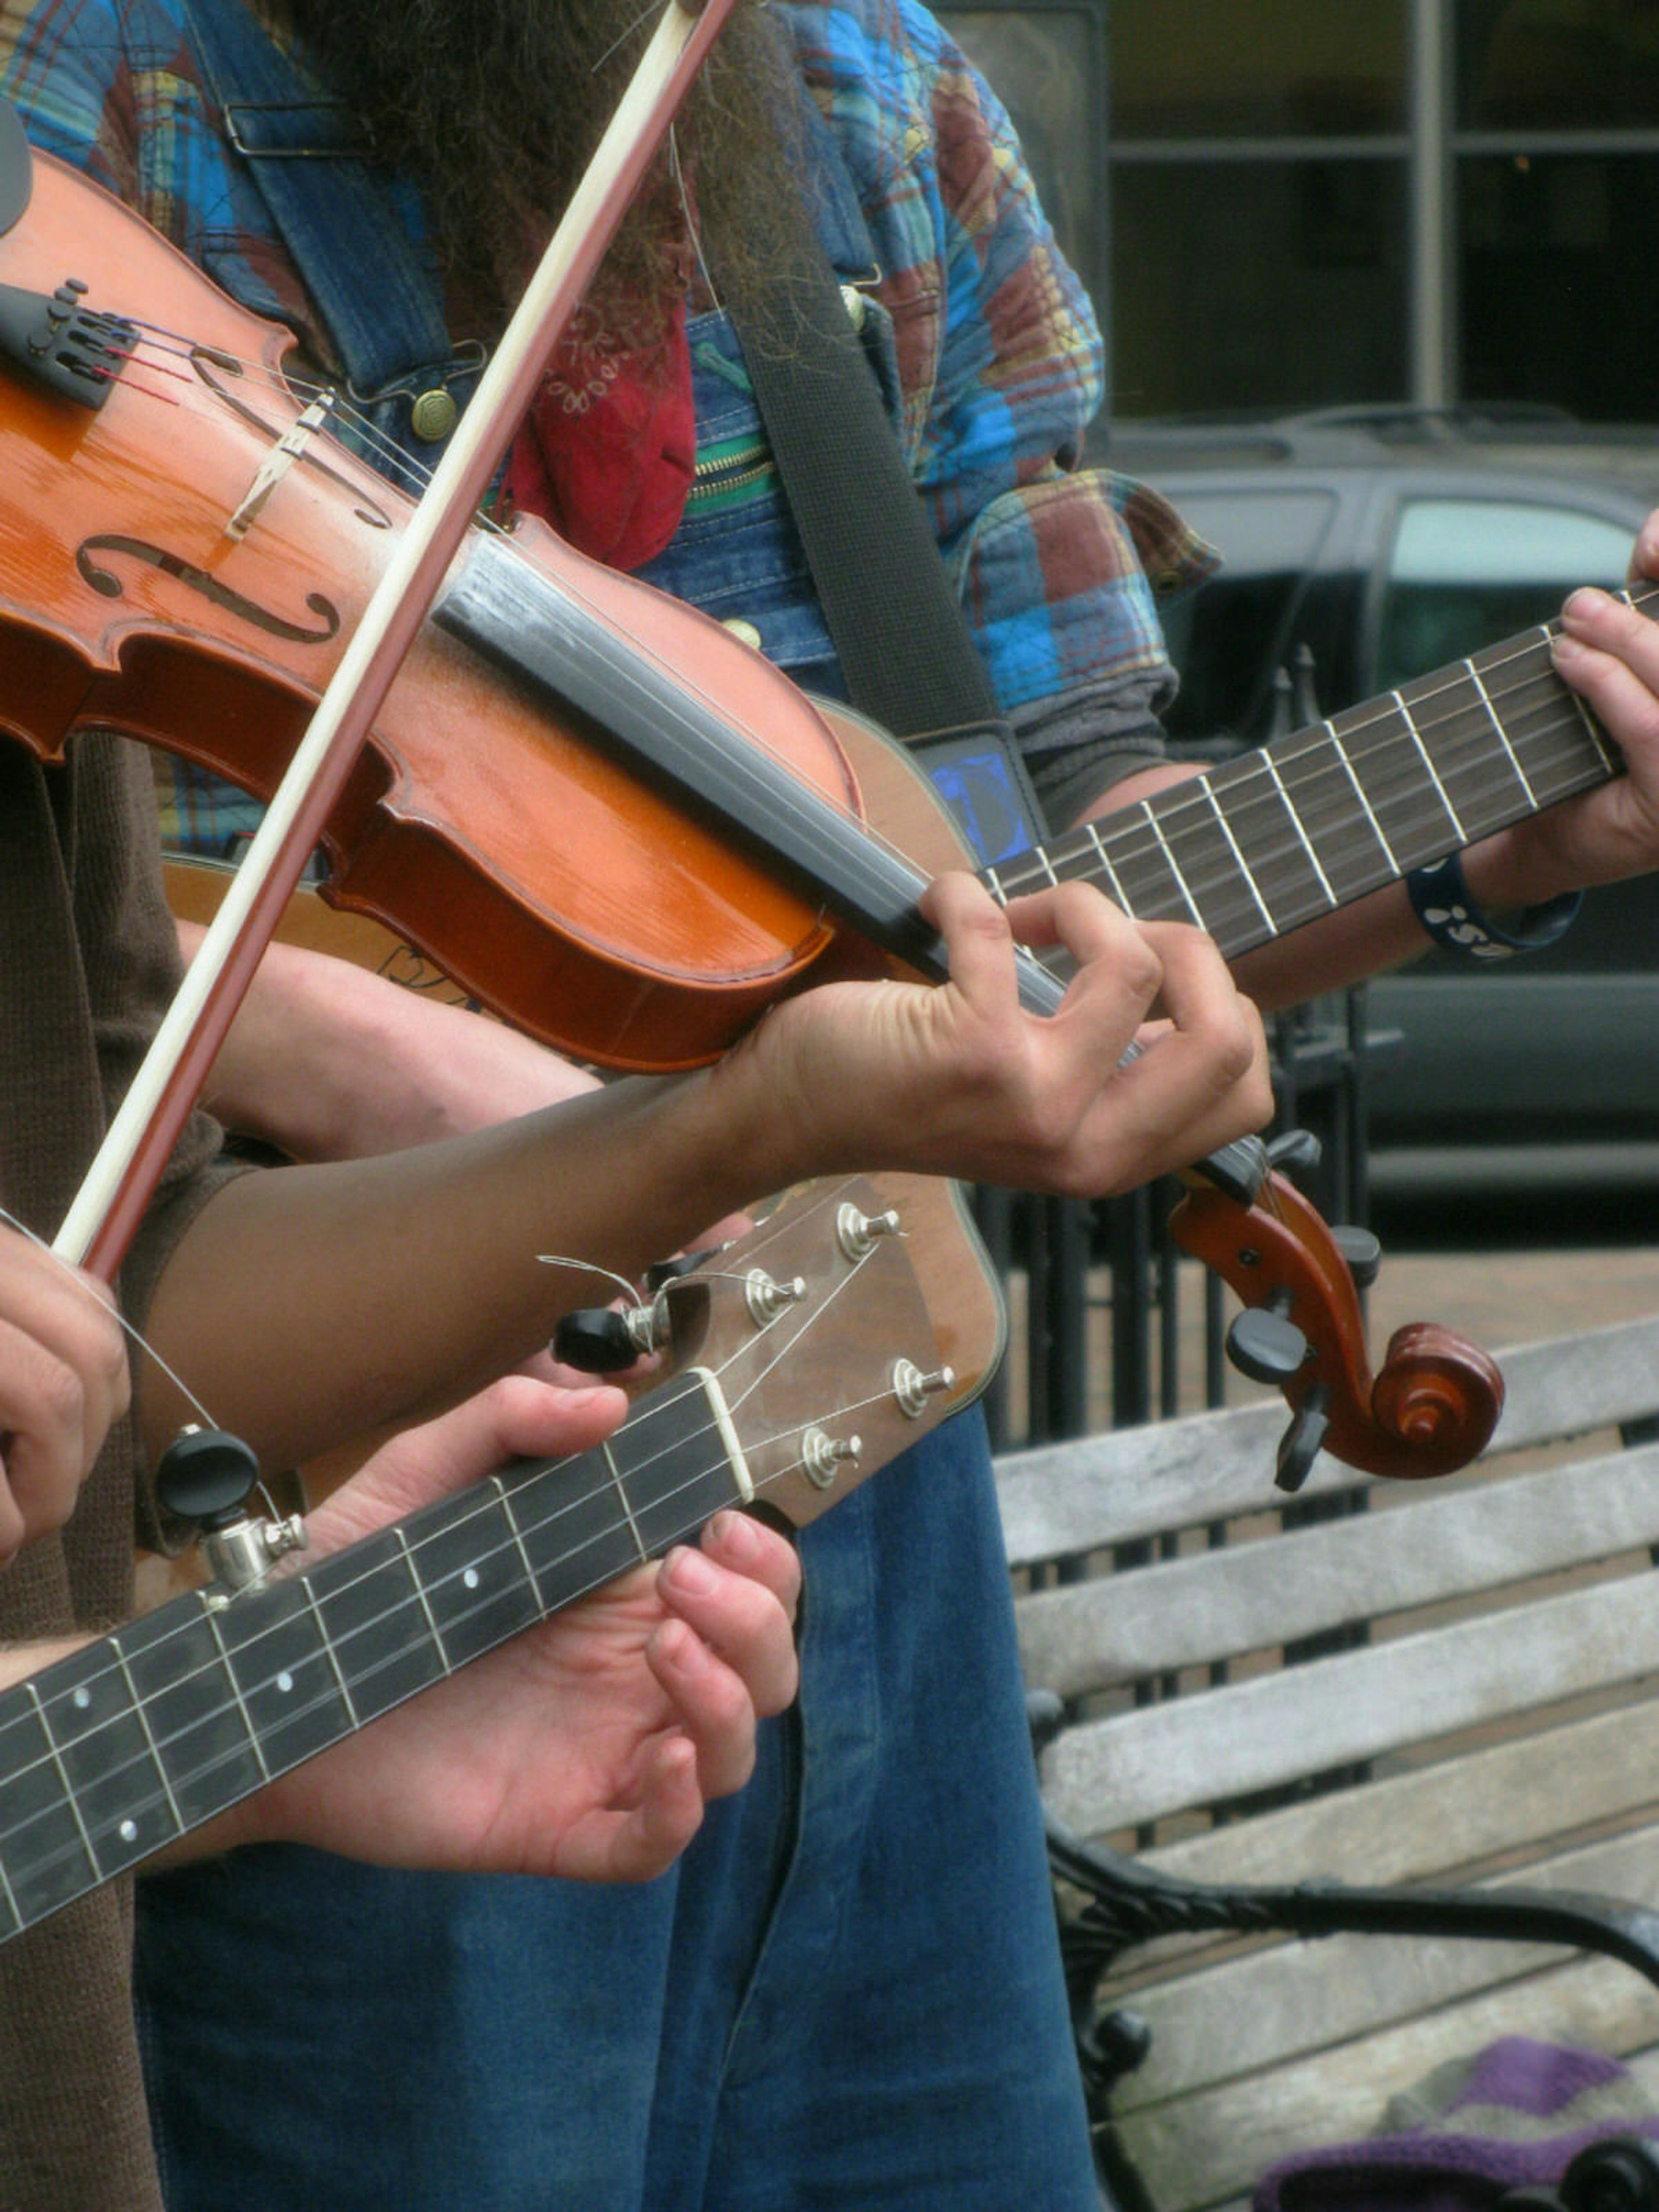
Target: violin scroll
{"type": "Point", "coordinates": [1430, 1409]}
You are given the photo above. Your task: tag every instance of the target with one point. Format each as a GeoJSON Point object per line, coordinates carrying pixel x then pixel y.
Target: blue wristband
{"type": "Point", "coordinates": [1440, 899]}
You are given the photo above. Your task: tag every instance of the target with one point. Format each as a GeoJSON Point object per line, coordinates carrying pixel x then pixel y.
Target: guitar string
{"type": "Point", "coordinates": [1127, 851]}
{"type": "Point", "coordinates": [1386, 717]}
{"type": "Point", "coordinates": [763, 1243]}
{"type": "Point", "coordinates": [411, 1602]}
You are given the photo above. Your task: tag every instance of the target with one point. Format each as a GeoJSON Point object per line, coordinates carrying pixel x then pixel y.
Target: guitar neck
{"type": "Point", "coordinates": [135, 1740]}
{"type": "Point", "coordinates": [1276, 838]}
{"type": "Point", "coordinates": [856, 1317]}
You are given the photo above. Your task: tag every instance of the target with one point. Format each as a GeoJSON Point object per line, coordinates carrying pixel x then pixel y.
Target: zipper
{"type": "Point", "coordinates": [730, 470]}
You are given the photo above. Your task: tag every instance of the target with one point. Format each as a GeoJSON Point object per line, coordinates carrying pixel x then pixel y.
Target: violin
{"type": "Point", "coordinates": [717, 839]}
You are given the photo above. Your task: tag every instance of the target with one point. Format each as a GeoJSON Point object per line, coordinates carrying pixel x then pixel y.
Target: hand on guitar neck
{"type": "Point", "coordinates": [1495, 755]}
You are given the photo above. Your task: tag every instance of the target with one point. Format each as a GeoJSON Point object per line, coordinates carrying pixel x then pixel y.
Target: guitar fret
{"type": "Point", "coordinates": [426, 1602]}
{"type": "Point", "coordinates": [1434, 776]}
{"type": "Point", "coordinates": [1296, 824]}
{"type": "Point", "coordinates": [1244, 869]}
{"type": "Point", "coordinates": [332, 1656]}
{"type": "Point", "coordinates": [1119, 897]}
{"type": "Point", "coordinates": [993, 883]}
{"type": "Point", "coordinates": [70, 1797]}
{"type": "Point", "coordinates": [149, 1733]}
{"type": "Point", "coordinates": [1181, 884]}
{"type": "Point", "coordinates": [1342, 752]}
{"type": "Point", "coordinates": [615, 1473]}
{"type": "Point", "coordinates": [10, 1898]}
{"type": "Point", "coordinates": [1503, 734]}
{"type": "Point", "coordinates": [254, 1744]}
{"type": "Point", "coordinates": [531, 1575]}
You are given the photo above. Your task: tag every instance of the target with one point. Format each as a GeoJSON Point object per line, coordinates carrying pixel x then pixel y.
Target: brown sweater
{"type": "Point", "coordinates": [86, 959]}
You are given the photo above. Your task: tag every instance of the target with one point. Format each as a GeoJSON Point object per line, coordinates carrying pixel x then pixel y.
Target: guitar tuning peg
{"type": "Point", "coordinates": [205, 1476]}
{"type": "Point", "coordinates": [664, 1272]}
{"type": "Point", "coordinates": [598, 1340]}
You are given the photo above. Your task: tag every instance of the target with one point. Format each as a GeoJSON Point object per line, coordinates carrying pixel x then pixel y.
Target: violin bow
{"type": "Point", "coordinates": [100, 1223]}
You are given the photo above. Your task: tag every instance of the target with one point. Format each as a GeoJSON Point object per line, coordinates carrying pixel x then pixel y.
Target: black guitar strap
{"type": "Point", "coordinates": [902, 640]}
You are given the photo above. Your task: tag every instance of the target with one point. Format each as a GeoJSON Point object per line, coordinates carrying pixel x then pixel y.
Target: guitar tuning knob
{"type": "Point", "coordinates": [598, 1340]}
{"type": "Point", "coordinates": [664, 1272]}
{"type": "Point", "coordinates": [206, 1476]}
{"type": "Point", "coordinates": [1265, 1344]}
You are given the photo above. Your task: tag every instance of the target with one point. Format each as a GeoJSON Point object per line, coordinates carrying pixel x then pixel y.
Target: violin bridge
{"type": "Point", "coordinates": [277, 463]}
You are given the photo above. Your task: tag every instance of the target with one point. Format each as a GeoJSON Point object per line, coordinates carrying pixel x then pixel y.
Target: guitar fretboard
{"type": "Point", "coordinates": [1264, 843]}
{"type": "Point", "coordinates": [129, 1743]}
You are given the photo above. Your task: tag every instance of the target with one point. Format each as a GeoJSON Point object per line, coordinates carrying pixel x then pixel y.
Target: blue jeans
{"type": "Point", "coordinates": [846, 1994]}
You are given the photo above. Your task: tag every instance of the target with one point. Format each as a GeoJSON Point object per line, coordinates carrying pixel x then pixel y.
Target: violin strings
{"type": "Point", "coordinates": [788, 1344]}
{"type": "Point", "coordinates": [1140, 835]}
{"type": "Point", "coordinates": [1131, 843]}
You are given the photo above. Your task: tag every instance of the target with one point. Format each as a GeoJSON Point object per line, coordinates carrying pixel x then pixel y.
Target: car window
{"type": "Point", "coordinates": [1228, 637]}
{"type": "Point", "coordinates": [1463, 573]}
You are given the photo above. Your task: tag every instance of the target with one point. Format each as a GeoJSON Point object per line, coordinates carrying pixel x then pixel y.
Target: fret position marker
{"type": "Point", "coordinates": [62, 1776]}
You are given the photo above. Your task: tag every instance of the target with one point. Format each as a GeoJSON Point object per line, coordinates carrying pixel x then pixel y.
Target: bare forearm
{"type": "Point", "coordinates": [331, 1061]}
{"type": "Point", "coordinates": [305, 1304]}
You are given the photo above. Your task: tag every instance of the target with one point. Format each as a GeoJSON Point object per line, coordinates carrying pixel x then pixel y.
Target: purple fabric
{"type": "Point", "coordinates": [1527, 2109]}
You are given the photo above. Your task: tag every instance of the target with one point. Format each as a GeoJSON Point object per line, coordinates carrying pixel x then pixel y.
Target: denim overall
{"type": "Point", "coordinates": [847, 1993]}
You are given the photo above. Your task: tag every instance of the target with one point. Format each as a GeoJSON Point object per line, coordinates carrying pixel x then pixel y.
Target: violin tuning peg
{"type": "Point", "coordinates": [205, 1476]}
{"type": "Point", "coordinates": [1266, 1345]}
{"type": "Point", "coordinates": [1362, 1252]}
{"type": "Point", "coordinates": [1296, 1149]}
{"type": "Point", "coordinates": [597, 1340]}
{"type": "Point", "coordinates": [1299, 1447]}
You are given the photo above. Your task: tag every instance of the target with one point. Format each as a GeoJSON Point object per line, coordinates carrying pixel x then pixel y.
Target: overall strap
{"type": "Point", "coordinates": [902, 639]}
{"type": "Point", "coordinates": [338, 216]}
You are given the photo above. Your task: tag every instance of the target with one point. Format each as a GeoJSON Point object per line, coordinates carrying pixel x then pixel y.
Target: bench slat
{"type": "Point", "coordinates": [1187, 1611]}
{"type": "Point", "coordinates": [1356, 1705]}
{"type": "Point", "coordinates": [1423, 1826]}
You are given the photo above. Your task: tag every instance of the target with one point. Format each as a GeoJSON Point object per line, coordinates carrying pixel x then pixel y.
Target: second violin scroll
{"type": "Point", "coordinates": [1430, 1410]}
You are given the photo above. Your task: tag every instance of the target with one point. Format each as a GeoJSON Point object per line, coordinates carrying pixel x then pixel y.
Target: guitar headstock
{"type": "Point", "coordinates": [856, 1317]}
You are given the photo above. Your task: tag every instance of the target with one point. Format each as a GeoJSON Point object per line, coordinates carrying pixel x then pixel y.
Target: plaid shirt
{"type": "Point", "coordinates": [998, 353]}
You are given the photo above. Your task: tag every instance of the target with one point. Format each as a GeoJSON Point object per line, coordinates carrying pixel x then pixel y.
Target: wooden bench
{"type": "Point", "coordinates": [1472, 1704]}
